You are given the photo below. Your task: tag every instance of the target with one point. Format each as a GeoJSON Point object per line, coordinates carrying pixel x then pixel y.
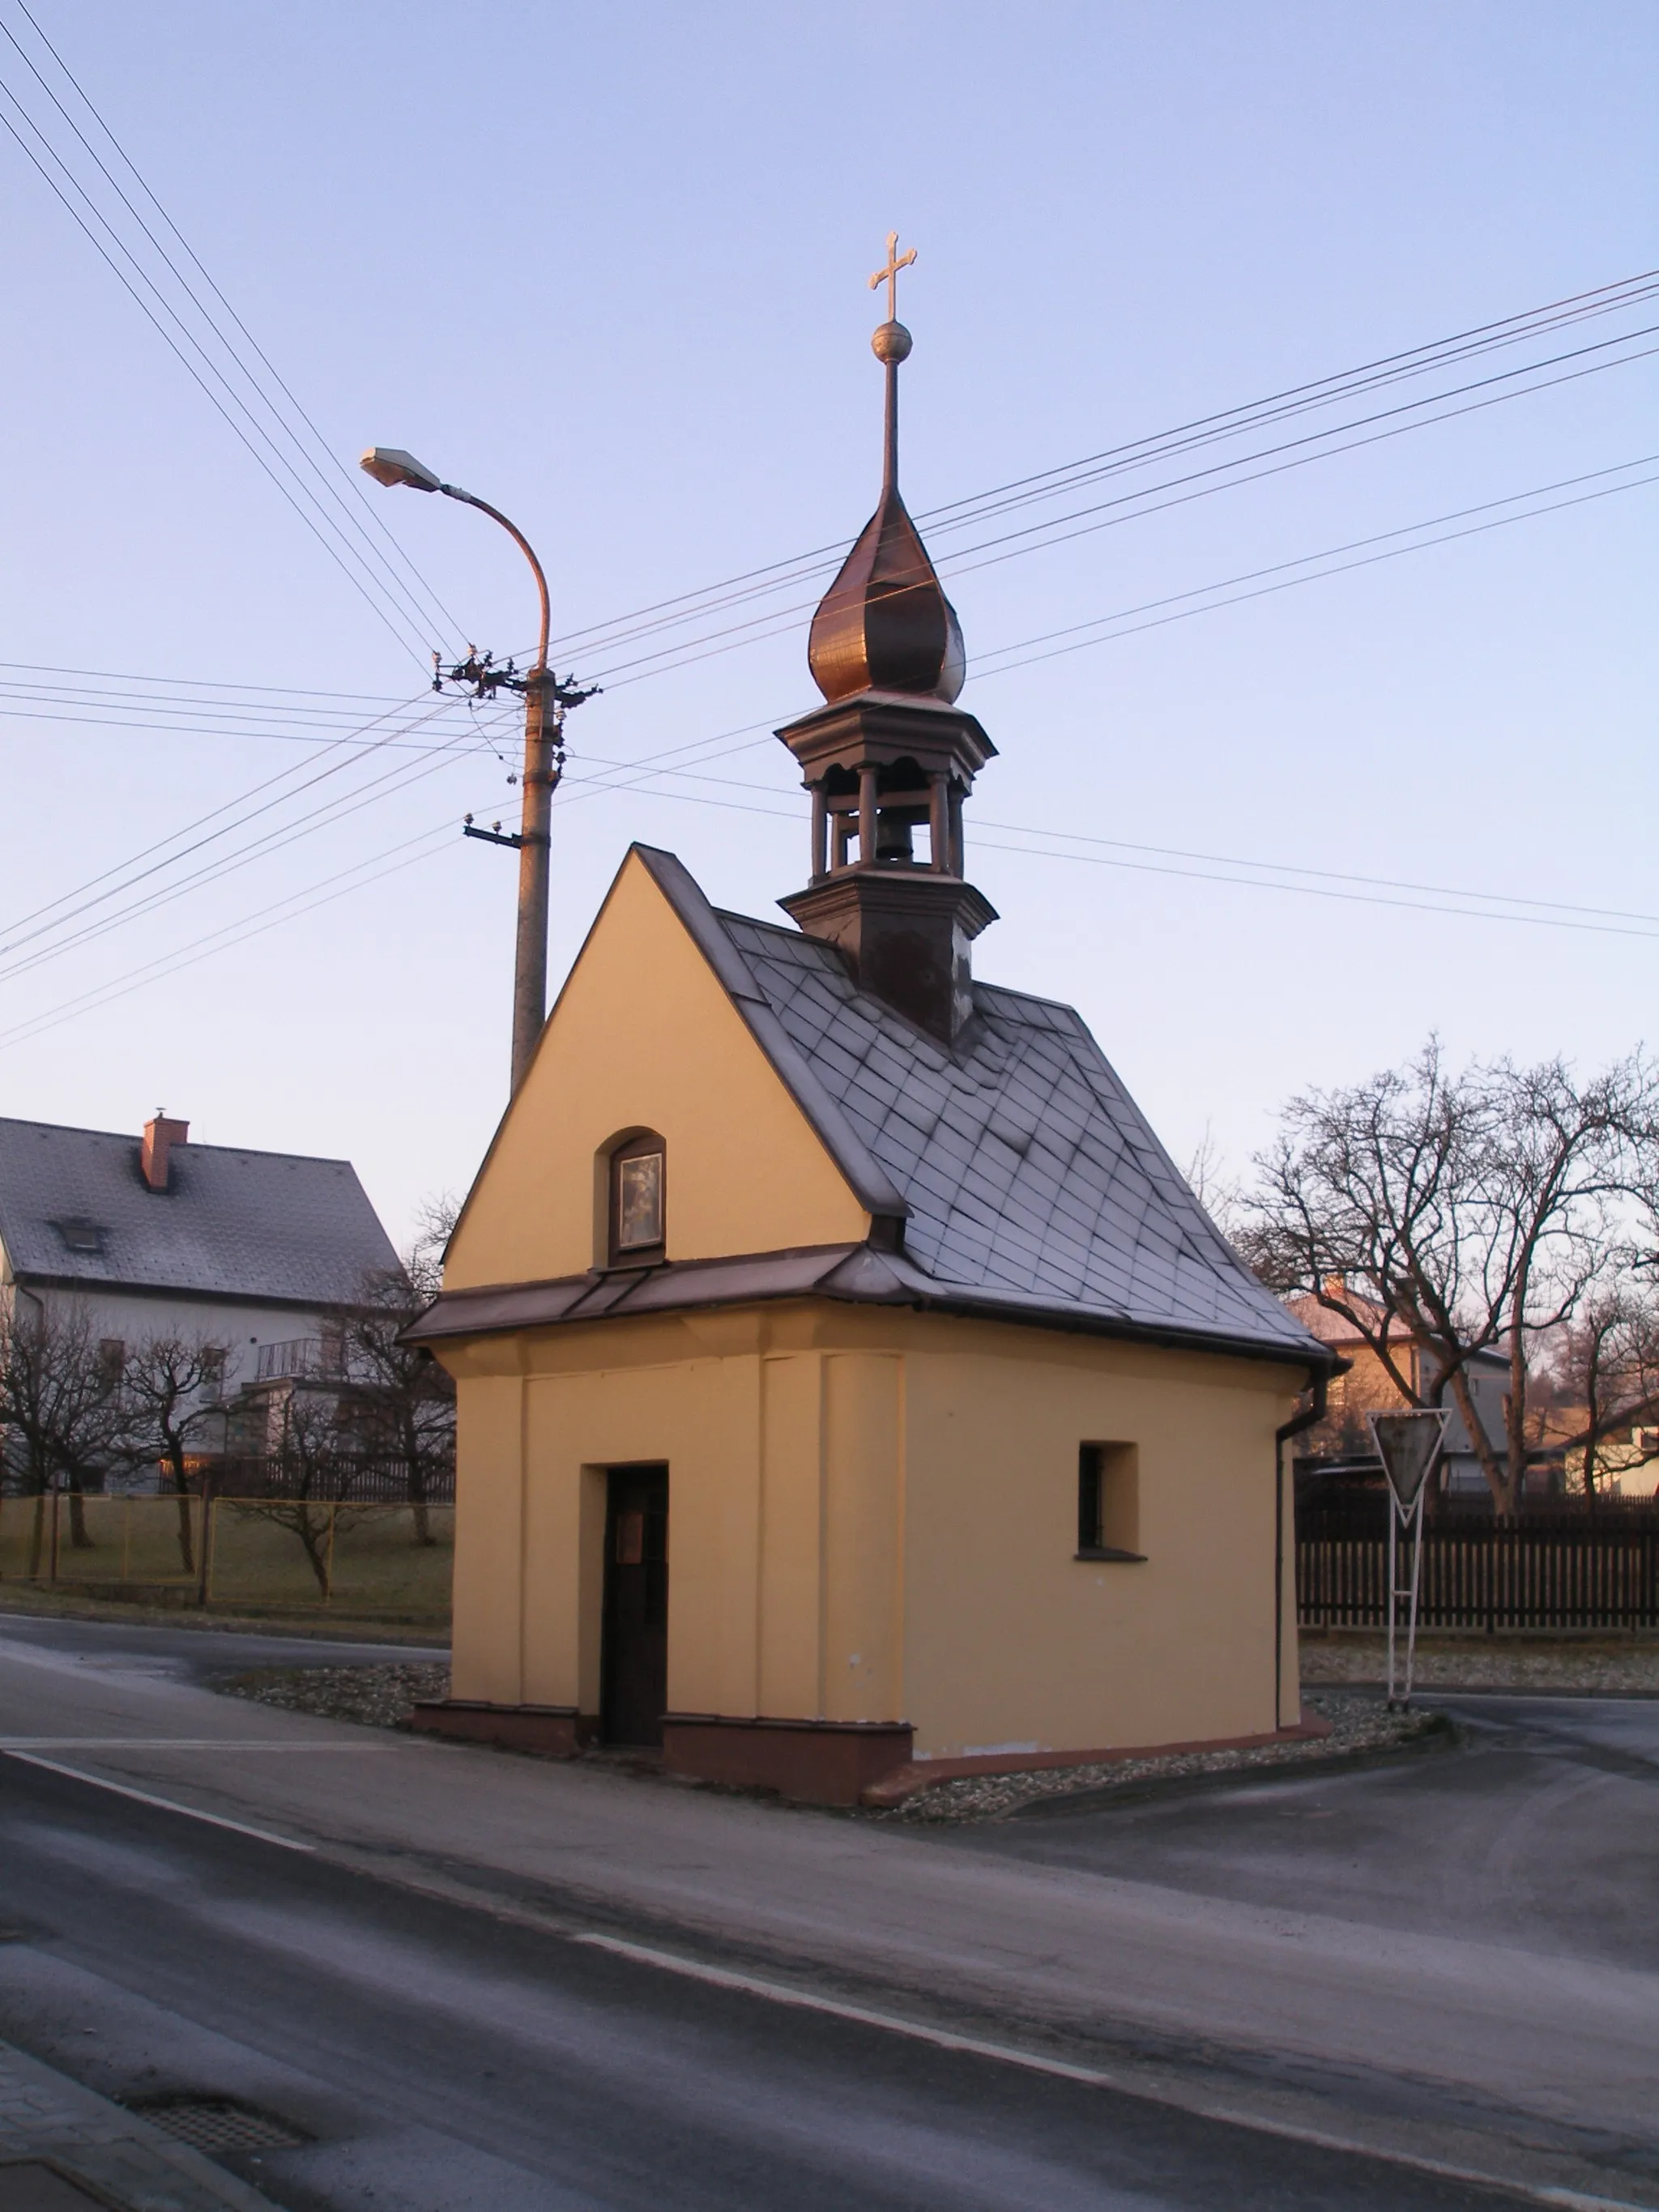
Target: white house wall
{"type": "Point", "coordinates": [132, 1316]}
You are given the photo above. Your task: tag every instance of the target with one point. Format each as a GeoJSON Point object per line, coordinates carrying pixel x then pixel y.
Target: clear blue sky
{"type": "Point", "coordinates": [607, 268]}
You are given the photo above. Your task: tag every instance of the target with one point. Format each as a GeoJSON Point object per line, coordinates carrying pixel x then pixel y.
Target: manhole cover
{"type": "Point", "coordinates": [218, 2123]}
{"type": "Point", "coordinates": [29, 2186]}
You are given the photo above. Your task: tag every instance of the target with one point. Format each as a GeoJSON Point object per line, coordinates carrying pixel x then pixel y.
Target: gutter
{"type": "Point", "coordinates": [1294, 1427]}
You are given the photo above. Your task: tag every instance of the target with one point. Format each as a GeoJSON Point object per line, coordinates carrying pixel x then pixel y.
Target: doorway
{"type": "Point", "coordinates": [634, 1678]}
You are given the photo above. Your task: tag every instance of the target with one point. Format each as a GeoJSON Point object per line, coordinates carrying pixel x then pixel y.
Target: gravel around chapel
{"type": "Point", "coordinates": [1359, 1723]}
{"type": "Point", "coordinates": [1588, 1666]}
{"type": "Point", "coordinates": [377, 1696]}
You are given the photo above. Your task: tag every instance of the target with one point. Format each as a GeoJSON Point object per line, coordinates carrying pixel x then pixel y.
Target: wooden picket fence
{"type": "Point", "coordinates": [1558, 1570]}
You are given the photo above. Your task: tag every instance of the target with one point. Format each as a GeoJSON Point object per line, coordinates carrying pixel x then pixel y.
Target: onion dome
{"type": "Point", "coordinates": [885, 624]}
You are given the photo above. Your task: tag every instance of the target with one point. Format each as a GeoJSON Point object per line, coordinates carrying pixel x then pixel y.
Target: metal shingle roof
{"type": "Point", "coordinates": [1030, 1174]}
{"type": "Point", "coordinates": [269, 1225]}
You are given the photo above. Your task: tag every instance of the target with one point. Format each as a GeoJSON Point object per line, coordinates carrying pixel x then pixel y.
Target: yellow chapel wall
{"type": "Point", "coordinates": [644, 1037]}
{"type": "Point", "coordinates": [1012, 1641]}
{"type": "Point", "coordinates": [872, 1516]}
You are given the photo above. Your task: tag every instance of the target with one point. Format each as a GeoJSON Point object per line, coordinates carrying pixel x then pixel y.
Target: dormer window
{"type": "Point", "coordinates": [81, 1235]}
{"type": "Point", "coordinates": [639, 1197]}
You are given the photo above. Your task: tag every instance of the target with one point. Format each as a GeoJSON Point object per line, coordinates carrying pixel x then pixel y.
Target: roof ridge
{"type": "Point", "coordinates": [789, 929]}
{"type": "Point", "coordinates": [1033, 998]}
{"type": "Point", "coordinates": [797, 936]}
{"type": "Point", "coordinates": [127, 1137]}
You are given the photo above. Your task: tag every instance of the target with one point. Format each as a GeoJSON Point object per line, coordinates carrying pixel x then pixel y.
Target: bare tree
{"type": "Point", "coordinates": [1442, 1215]}
{"type": "Point", "coordinates": [401, 1403]}
{"type": "Point", "coordinates": [314, 1470]}
{"type": "Point", "coordinates": [60, 1407]}
{"type": "Point", "coordinates": [172, 1390]}
{"type": "Point", "coordinates": [1213, 1186]}
{"type": "Point", "coordinates": [1607, 1370]}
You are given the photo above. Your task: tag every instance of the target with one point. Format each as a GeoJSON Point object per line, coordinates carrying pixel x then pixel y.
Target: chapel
{"type": "Point", "coordinates": [850, 1388]}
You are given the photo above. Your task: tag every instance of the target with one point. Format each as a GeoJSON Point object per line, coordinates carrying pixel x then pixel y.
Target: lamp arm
{"type": "Point", "coordinates": [471, 499]}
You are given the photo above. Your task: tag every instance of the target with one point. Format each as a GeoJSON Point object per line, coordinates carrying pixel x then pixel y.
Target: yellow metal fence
{"type": "Point", "coordinates": [370, 1558]}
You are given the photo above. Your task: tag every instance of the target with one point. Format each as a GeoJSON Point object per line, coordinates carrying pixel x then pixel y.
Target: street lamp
{"type": "Point", "coordinates": [390, 464]}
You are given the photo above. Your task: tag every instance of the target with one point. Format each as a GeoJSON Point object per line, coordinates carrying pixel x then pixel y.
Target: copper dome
{"type": "Point", "coordinates": [885, 624]}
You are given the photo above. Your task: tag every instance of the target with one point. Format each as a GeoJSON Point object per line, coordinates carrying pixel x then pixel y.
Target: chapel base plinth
{"type": "Point", "coordinates": [817, 1762]}
{"type": "Point", "coordinates": [550, 1731]}
{"type": "Point", "coordinates": [902, 1782]}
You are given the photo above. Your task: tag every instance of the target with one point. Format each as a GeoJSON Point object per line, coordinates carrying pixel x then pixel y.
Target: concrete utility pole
{"type": "Point", "coordinates": [546, 700]}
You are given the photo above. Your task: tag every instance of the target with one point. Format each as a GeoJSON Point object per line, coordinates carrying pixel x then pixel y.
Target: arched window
{"type": "Point", "coordinates": [639, 1201]}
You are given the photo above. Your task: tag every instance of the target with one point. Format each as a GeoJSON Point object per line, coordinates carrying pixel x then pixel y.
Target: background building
{"type": "Point", "coordinates": [265, 1254]}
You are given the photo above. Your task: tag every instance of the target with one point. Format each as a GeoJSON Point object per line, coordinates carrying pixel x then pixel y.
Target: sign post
{"type": "Point", "coordinates": [1409, 1445]}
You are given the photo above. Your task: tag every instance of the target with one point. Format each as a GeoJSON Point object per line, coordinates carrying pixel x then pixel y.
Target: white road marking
{"type": "Point", "coordinates": [1566, 2200]}
{"type": "Point", "coordinates": [166, 1804]}
{"type": "Point", "coordinates": [174, 1743]}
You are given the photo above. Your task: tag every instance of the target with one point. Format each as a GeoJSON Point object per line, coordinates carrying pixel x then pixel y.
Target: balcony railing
{"type": "Point", "coordinates": [298, 1356]}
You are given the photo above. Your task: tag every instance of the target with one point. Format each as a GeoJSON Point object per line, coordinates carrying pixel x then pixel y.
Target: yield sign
{"type": "Point", "coordinates": [1408, 1444]}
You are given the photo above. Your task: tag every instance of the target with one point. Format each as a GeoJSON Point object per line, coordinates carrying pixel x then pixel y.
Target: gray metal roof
{"type": "Point", "coordinates": [1029, 1172]}
{"type": "Point", "coordinates": [276, 1226]}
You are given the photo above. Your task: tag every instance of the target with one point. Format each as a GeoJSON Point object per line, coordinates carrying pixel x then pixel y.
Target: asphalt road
{"type": "Point", "coordinates": [1538, 1833]}
{"type": "Point", "coordinates": [441, 2059]}
{"type": "Point", "coordinates": [1451, 1957]}
{"type": "Point", "coordinates": [180, 1651]}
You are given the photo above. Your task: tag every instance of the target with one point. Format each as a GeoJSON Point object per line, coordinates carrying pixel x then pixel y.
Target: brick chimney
{"type": "Point", "coordinates": [160, 1135]}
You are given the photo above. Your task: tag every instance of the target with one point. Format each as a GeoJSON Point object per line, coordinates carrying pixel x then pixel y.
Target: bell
{"type": "Point", "coordinates": [893, 837]}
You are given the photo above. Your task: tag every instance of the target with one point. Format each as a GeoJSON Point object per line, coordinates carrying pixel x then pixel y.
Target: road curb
{"type": "Point", "coordinates": [48, 2119]}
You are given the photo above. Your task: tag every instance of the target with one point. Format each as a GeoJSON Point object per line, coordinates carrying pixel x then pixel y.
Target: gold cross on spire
{"type": "Point", "coordinates": [888, 275]}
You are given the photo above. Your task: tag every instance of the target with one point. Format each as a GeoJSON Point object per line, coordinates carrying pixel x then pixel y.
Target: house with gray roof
{"type": "Point", "coordinates": [152, 1234]}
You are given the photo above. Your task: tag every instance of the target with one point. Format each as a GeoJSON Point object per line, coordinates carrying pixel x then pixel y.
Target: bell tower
{"type": "Point", "coordinates": [889, 757]}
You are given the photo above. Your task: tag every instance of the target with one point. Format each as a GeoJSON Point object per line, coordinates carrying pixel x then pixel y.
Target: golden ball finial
{"type": "Point", "coordinates": [891, 343]}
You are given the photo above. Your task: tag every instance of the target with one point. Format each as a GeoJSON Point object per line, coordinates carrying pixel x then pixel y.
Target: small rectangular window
{"type": "Point", "coordinates": [1108, 1502]}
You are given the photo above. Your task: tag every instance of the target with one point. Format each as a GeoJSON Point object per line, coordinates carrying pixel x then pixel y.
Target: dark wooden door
{"type": "Point", "coordinates": [635, 1689]}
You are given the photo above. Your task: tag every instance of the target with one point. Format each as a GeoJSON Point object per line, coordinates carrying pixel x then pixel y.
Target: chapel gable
{"type": "Point", "coordinates": [651, 1125]}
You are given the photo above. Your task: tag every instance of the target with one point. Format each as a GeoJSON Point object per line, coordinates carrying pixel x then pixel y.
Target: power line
{"type": "Point", "coordinates": [273, 916]}
{"type": "Point", "coordinates": [1140, 453]}
{"type": "Point", "coordinates": [122, 718]}
{"type": "Point", "coordinates": [284, 834]}
{"type": "Point", "coordinates": [282, 777]}
{"type": "Point", "coordinates": [1041, 537]}
{"type": "Point", "coordinates": [1338, 568]}
{"type": "Point", "coordinates": [1602, 299]}
{"type": "Point", "coordinates": [380, 590]}
{"type": "Point", "coordinates": [1491, 909]}
{"type": "Point", "coordinates": [360, 501]}
{"type": "Point", "coordinates": [200, 683]}
{"type": "Point", "coordinates": [213, 399]}
{"type": "Point", "coordinates": [260, 848]}
{"type": "Point", "coordinates": [1328, 891]}
{"type": "Point", "coordinates": [1591, 916]}
{"type": "Point", "coordinates": [256, 715]}
{"type": "Point", "coordinates": [1494, 900]}
{"type": "Point", "coordinates": [1044, 485]}
{"type": "Point", "coordinates": [1606, 299]}
{"type": "Point", "coordinates": [426, 843]}
{"type": "Point", "coordinates": [640, 774]}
